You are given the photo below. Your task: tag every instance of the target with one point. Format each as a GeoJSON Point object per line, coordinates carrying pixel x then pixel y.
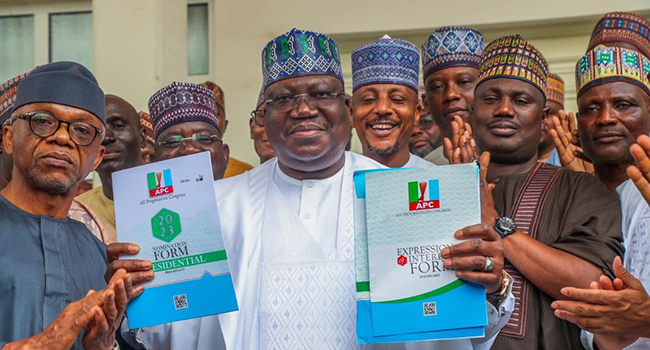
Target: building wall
{"type": "Point", "coordinates": [140, 45]}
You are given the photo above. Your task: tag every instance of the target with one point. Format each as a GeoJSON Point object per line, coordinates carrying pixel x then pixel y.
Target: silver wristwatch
{"type": "Point", "coordinates": [504, 226]}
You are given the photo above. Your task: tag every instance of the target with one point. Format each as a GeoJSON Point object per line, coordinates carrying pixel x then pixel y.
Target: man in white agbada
{"type": "Point", "coordinates": [288, 225]}
{"type": "Point", "coordinates": [613, 111]}
{"type": "Point", "coordinates": [385, 108]}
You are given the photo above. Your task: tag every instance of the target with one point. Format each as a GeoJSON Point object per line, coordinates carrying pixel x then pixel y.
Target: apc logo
{"type": "Point", "coordinates": [160, 183]}
{"type": "Point", "coordinates": [424, 195]}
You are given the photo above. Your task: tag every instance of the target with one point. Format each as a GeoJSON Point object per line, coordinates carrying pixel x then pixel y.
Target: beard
{"type": "Point", "coordinates": [423, 152]}
{"type": "Point", "coordinates": [47, 183]}
{"type": "Point", "coordinates": [384, 152]}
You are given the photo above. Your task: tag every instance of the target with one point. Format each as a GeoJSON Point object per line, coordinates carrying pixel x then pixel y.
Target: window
{"type": "Point", "coordinates": [198, 40]}
{"type": "Point", "coordinates": [17, 43]}
{"type": "Point", "coordinates": [71, 37]}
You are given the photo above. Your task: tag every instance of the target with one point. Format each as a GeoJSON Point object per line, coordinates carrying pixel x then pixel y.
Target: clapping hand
{"type": "Point", "coordinates": [640, 173]}
{"type": "Point", "coordinates": [461, 148]}
{"type": "Point", "coordinates": [564, 132]}
{"type": "Point", "coordinates": [615, 311]}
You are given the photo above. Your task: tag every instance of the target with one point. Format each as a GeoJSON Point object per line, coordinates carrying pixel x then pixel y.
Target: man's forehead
{"type": "Point", "coordinates": [63, 112]}
{"type": "Point", "coordinates": [452, 72]}
{"type": "Point", "coordinates": [189, 128]}
{"type": "Point", "coordinates": [612, 90]}
{"type": "Point", "coordinates": [509, 86]}
{"type": "Point", "coordinates": [304, 81]}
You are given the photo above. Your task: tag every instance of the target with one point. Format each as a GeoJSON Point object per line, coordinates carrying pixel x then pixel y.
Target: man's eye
{"type": "Point", "coordinates": [321, 95]}
{"type": "Point", "coordinates": [82, 129]}
{"type": "Point", "coordinates": [623, 105]}
{"type": "Point", "coordinates": [490, 99]}
{"type": "Point", "coordinates": [42, 120]}
{"type": "Point", "coordinates": [521, 101]}
{"type": "Point", "coordinates": [283, 99]}
{"type": "Point", "coordinates": [203, 139]}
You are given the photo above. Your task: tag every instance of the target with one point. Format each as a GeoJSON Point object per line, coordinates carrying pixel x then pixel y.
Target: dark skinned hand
{"type": "Point", "coordinates": [139, 270]}
{"type": "Point", "coordinates": [462, 147]}
{"type": "Point", "coordinates": [100, 332]}
{"type": "Point", "coordinates": [612, 310]}
{"type": "Point", "coordinates": [88, 313]}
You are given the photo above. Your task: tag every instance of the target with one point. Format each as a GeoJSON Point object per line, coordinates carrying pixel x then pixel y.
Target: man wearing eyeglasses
{"type": "Point", "coordinates": [188, 126]}
{"type": "Point", "coordinates": [426, 133]}
{"type": "Point", "coordinates": [124, 140]}
{"type": "Point", "coordinates": [288, 224]}
{"type": "Point", "coordinates": [52, 265]}
{"type": "Point", "coordinates": [258, 133]}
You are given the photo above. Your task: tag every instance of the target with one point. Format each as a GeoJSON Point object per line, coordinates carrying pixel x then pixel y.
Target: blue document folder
{"type": "Point", "coordinates": [453, 310]}
{"type": "Point", "coordinates": [169, 209]}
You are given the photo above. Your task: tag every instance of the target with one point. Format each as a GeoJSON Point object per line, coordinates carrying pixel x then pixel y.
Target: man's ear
{"type": "Point", "coordinates": [7, 139]}
{"type": "Point", "coordinates": [226, 153]}
{"type": "Point", "coordinates": [545, 113]}
{"type": "Point", "coordinates": [348, 105]}
{"type": "Point", "coordinates": [424, 100]}
{"type": "Point", "coordinates": [100, 156]}
{"type": "Point", "coordinates": [143, 137]}
{"type": "Point", "coordinates": [418, 113]}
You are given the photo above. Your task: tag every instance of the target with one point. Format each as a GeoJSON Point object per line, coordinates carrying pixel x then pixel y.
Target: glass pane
{"type": "Point", "coordinates": [198, 40]}
{"type": "Point", "coordinates": [17, 43]}
{"type": "Point", "coordinates": [71, 38]}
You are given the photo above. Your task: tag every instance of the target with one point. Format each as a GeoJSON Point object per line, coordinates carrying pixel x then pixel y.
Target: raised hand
{"type": "Point", "coordinates": [640, 173]}
{"type": "Point", "coordinates": [461, 148]}
{"type": "Point", "coordinates": [564, 132]}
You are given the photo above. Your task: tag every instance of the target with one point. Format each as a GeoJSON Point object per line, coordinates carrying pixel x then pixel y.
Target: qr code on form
{"type": "Point", "coordinates": [180, 302]}
{"type": "Point", "coordinates": [430, 309]}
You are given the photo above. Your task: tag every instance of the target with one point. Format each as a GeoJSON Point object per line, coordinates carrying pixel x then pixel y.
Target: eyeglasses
{"type": "Point", "coordinates": [425, 121]}
{"type": "Point", "coordinates": [286, 103]}
{"type": "Point", "coordinates": [257, 116]}
{"type": "Point", "coordinates": [176, 143]}
{"type": "Point", "coordinates": [44, 124]}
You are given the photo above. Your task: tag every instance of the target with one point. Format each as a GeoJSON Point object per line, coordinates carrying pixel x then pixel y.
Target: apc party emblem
{"type": "Point", "coordinates": [424, 195]}
{"type": "Point", "coordinates": [160, 183]}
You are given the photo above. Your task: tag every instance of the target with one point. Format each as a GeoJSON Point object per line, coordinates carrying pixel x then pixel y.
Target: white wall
{"type": "Point", "coordinates": [140, 45]}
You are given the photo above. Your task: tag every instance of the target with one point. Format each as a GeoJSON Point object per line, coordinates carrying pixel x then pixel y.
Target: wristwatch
{"type": "Point", "coordinates": [504, 226]}
{"type": "Point", "coordinates": [500, 295]}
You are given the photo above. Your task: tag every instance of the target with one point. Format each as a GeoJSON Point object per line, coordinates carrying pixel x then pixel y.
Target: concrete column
{"type": "Point", "coordinates": [139, 46]}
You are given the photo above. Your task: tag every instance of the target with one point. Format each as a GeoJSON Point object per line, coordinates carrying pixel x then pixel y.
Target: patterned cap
{"type": "Point", "coordinates": [513, 57]}
{"type": "Point", "coordinates": [452, 47]}
{"type": "Point", "coordinates": [622, 27]}
{"type": "Point", "coordinates": [179, 103]}
{"type": "Point", "coordinates": [8, 96]}
{"type": "Point", "coordinates": [607, 64]}
{"type": "Point", "coordinates": [145, 120]}
{"type": "Point", "coordinates": [300, 52]}
{"type": "Point", "coordinates": [386, 61]}
{"type": "Point", "coordinates": [555, 88]}
{"type": "Point", "coordinates": [218, 94]}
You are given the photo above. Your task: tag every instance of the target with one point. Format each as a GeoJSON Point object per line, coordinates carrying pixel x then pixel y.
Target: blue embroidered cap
{"type": "Point", "coordinates": [300, 52]}
{"type": "Point", "coordinates": [386, 61]}
{"type": "Point", "coordinates": [452, 47]}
